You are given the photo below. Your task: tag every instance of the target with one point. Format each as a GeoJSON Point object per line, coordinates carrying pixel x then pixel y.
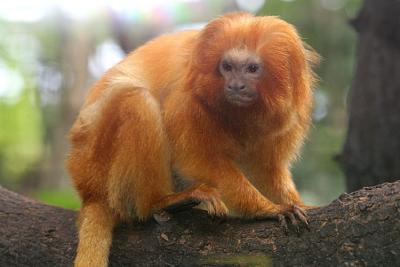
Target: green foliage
{"type": "Point", "coordinates": [20, 135]}
{"type": "Point", "coordinates": [21, 125]}
{"type": "Point", "coordinates": [66, 198]}
{"type": "Point", "coordinates": [316, 173]}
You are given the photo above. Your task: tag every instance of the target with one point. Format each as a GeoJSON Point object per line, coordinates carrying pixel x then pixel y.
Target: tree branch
{"type": "Point", "coordinates": [357, 229]}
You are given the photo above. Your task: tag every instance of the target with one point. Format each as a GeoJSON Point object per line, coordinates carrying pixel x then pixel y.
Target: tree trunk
{"type": "Point", "coordinates": [371, 151]}
{"type": "Point", "coordinates": [74, 55]}
{"type": "Point", "coordinates": [358, 229]}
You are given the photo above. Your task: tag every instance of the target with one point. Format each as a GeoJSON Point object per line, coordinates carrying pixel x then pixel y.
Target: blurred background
{"type": "Point", "coordinates": [52, 51]}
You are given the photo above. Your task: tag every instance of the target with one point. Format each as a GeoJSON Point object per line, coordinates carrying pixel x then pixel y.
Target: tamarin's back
{"type": "Point", "coordinates": [152, 65]}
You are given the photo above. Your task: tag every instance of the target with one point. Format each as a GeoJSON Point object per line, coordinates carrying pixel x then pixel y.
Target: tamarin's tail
{"type": "Point", "coordinates": [96, 223]}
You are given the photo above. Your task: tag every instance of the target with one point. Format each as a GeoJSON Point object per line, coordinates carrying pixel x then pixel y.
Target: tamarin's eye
{"type": "Point", "coordinates": [252, 68]}
{"type": "Point", "coordinates": [226, 66]}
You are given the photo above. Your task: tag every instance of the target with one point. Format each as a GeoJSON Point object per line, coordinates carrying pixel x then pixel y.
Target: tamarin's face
{"type": "Point", "coordinates": [241, 70]}
{"type": "Point", "coordinates": [253, 64]}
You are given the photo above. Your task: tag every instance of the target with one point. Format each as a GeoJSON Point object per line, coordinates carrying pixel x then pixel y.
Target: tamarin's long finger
{"type": "Point", "coordinates": [294, 221]}
{"type": "Point", "coordinates": [182, 205]}
{"type": "Point", "coordinates": [302, 218]}
{"type": "Point", "coordinates": [303, 211]}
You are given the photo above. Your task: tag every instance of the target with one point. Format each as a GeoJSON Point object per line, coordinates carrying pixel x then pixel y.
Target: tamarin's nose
{"type": "Point", "coordinates": [236, 86]}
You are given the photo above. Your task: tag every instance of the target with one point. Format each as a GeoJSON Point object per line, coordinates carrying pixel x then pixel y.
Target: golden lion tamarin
{"type": "Point", "coordinates": [227, 107]}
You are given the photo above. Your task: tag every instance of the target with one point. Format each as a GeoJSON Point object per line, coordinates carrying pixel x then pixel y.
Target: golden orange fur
{"type": "Point", "coordinates": [162, 109]}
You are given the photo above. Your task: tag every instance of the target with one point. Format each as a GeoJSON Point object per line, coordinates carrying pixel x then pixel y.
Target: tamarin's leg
{"type": "Point", "coordinates": [96, 223]}
{"type": "Point", "coordinates": [240, 196]}
{"type": "Point", "coordinates": [276, 184]}
{"type": "Point", "coordinates": [254, 204]}
{"type": "Point", "coordinates": [140, 172]}
{"type": "Point", "coordinates": [120, 159]}
{"type": "Point", "coordinates": [139, 181]}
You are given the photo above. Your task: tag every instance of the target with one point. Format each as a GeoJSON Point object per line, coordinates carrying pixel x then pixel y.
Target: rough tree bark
{"type": "Point", "coordinates": [371, 152]}
{"type": "Point", "coordinates": [357, 229]}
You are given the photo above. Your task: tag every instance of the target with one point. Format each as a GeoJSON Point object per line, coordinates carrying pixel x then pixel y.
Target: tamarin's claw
{"type": "Point", "coordinates": [301, 214]}
{"type": "Point", "coordinates": [294, 222]}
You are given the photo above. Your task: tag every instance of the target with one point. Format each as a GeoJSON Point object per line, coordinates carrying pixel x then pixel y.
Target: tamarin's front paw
{"type": "Point", "coordinates": [293, 212]}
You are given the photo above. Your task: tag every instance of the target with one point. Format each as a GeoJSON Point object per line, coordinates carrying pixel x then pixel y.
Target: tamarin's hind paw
{"type": "Point", "coordinates": [214, 207]}
{"type": "Point", "coordinates": [210, 200]}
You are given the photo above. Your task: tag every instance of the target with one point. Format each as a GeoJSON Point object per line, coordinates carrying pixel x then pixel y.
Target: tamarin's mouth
{"type": "Point", "coordinates": [242, 100]}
